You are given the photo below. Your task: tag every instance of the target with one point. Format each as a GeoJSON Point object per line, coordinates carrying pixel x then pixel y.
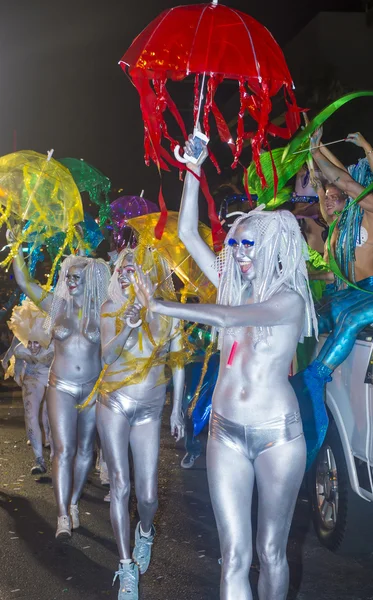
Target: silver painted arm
{"type": "Point", "coordinates": [279, 310]}
{"type": "Point", "coordinates": [9, 353]}
{"type": "Point", "coordinates": [22, 353]}
{"type": "Point", "coordinates": [111, 344]}
{"type": "Point", "coordinates": [178, 379]}
{"type": "Point", "coordinates": [28, 286]}
{"type": "Point", "coordinates": [188, 227]}
{"type": "Point", "coordinates": [19, 369]}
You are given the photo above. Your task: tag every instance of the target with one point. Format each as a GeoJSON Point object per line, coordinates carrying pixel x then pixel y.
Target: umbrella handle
{"type": "Point", "coordinates": [178, 155]}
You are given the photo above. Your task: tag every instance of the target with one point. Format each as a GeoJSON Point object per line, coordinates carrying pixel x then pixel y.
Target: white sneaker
{"type": "Point", "coordinates": [128, 581]}
{"type": "Point", "coordinates": [63, 527]}
{"type": "Point", "coordinates": [74, 514]}
{"type": "Point", "coordinates": [107, 497]}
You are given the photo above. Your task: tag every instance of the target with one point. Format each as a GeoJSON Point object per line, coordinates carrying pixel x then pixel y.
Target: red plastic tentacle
{"type": "Point", "coordinates": [260, 137]}
{"type": "Point", "coordinates": [218, 233]}
{"type": "Point", "coordinates": [159, 228]}
{"type": "Point", "coordinates": [223, 129]}
{"type": "Point", "coordinates": [240, 122]}
{"type": "Point", "coordinates": [152, 128]}
{"type": "Point", "coordinates": [293, 114]}
{"type": "Point", "coordinates": [213, 159]}
{"type": "Point", "coordinates": [175, 113]}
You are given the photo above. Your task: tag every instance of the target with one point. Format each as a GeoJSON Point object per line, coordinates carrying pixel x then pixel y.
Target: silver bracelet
{"type": "Point", "coordinates": [370, 152]}
{"type": "Point", "coordinates": [133, 325]}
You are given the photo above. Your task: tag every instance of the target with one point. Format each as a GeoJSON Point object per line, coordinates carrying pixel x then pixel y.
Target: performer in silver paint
{"type": "Point", "coordinates": [129, 413]}
{"type": "Point", "coordinates": [74, 321]}
{"type": "Point", "coordinates": [34, 383]}
{"type": "Point", "coordinates": [264, 308]}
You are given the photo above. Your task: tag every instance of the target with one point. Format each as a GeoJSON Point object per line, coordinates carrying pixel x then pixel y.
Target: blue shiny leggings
{"type": "Point", "coordinates": [347, 313]}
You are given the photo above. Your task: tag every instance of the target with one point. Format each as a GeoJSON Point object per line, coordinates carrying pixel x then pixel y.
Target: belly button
{"type": "Point", "coordinates": [78, 368]}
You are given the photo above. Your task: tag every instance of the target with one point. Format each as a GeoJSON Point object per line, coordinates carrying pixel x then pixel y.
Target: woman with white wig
{"type": "Point", "coordinates": [264, 308]}
{"type": "Point", "coordinates": [74, 323]}
{"type": "Point", "coordinates": [136, 348]}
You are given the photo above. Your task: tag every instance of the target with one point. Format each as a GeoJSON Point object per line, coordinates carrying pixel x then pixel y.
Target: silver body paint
{"type": "Point", "coordinates": [77, 361]}
{"type": "Point", "coordinates": [131, 416]}
{"type": "Point", "coordinates": [252, 392]}
{"type": "Point", "coordinates": [34, 384]}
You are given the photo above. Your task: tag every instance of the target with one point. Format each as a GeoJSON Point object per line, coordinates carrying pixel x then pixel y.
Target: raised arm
{"type": "Point", "coordinates": [332, 158]}
{"type": "Point", "coordinates": [188, 221]}
{"type": "Point", "coordinates": [112, 344]}
{"type": "Point", "coordinates": [9, 353]}
{"type": "Point", "coordinates": [28, 285]}
{"type": "Point", "coordinates": [279, 310]}
{"type": "Point", "coordinates": [178, 380]}
{"type": "Point", "coordinates": [360, 141]}
{"type": "Point", "coordinates": [340, 178]}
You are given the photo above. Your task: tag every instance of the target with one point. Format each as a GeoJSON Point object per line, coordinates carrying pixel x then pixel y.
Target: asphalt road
{"type": "Point", "coordinates": [186, 552]}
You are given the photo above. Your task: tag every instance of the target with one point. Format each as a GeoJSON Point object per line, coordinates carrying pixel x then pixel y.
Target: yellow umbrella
{"type": "Point", "coordinates": [38, 190]}
{"type": "Point", "coordinates": [174, 252]}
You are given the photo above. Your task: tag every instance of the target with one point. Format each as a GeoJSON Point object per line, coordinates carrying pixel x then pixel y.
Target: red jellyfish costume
{"type": "Point", "coordinates": [219, 43]}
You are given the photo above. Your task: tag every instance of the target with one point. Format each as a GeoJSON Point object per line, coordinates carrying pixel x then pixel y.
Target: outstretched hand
{"type": "Point", "coordinates": [144, 288]}
{"type": "Point", "coordinates": [358, 140]}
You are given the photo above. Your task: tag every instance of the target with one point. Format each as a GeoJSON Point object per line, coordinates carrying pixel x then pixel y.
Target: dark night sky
{"type": "Point", "coordinates": [61, 86]}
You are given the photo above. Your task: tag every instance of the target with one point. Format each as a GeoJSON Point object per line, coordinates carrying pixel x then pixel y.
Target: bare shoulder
{"type": "Point", "coordinates": [291, 299]}
{"type": "Point", "coordinates": [108, 306]}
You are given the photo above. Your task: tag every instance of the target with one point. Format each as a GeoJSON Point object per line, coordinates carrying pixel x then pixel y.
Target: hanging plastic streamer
{"type": "Point", "coordinates": [40, 191]}
{"type": "Point", "coordinates": [91, 180]}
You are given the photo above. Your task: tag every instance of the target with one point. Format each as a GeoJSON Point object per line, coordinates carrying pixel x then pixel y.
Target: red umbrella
{"type": "Point", "coordinates": [218, 42]}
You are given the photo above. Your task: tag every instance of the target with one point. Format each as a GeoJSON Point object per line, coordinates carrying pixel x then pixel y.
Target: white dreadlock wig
{"type": "Point", "coordinates": [115, 289]}
{"type": "Point", "coordinates": [158, 270]}
{"type": "Point", "coordinates": [280, 263]}
{"type": "Point", "coordinates": [97, 276]}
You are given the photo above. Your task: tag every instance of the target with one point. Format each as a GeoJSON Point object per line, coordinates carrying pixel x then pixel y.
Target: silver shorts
{"type": "Point", "coordinates": [254, 440]}
{"type": "Point", "coordinates": [79, 391]}
{"type": "Point", "coordinates": [135, 411]}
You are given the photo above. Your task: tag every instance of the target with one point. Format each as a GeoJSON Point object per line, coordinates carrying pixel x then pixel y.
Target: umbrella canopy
{"type": "Point", "coordinates": [91, 180]}
{"type": "Point", "coordinates": [40, 190]}
{"type": "Point", "coordinates": [218, 42]}
{"type": "Point", "coordinates": [125, 208]}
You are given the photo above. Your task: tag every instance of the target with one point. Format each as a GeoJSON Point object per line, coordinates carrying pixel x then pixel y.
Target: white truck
{"type": "Point", "coordinates": [340, 482]}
